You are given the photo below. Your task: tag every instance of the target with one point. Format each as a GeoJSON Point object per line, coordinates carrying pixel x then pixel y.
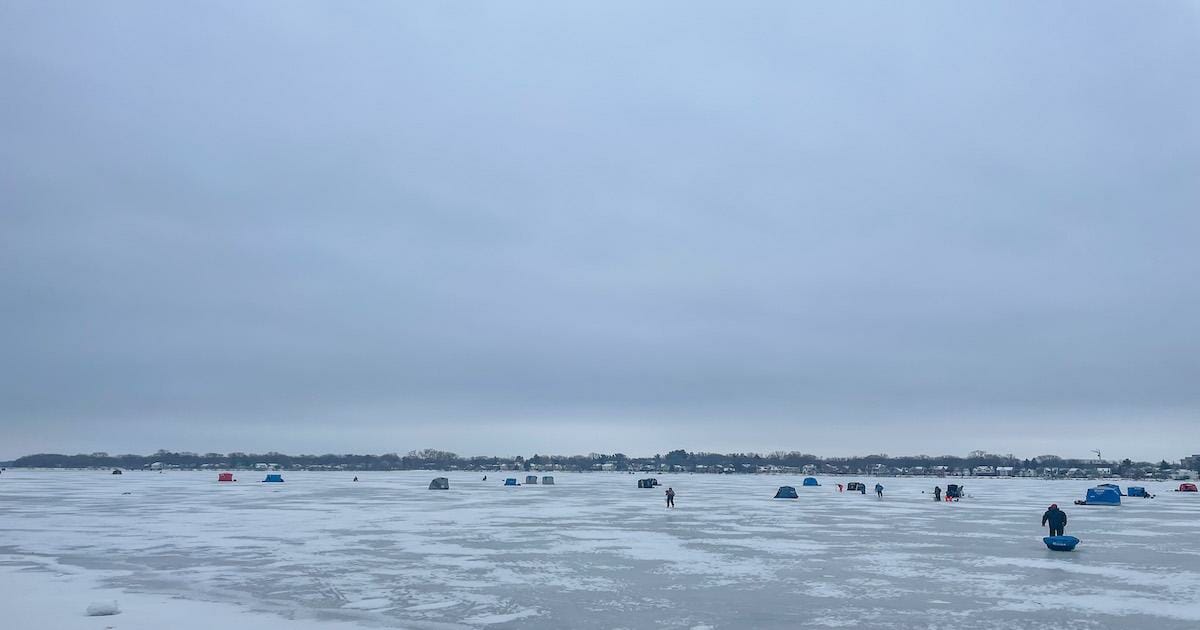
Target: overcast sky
{"type": "Point", "coordinates": [502, 228]}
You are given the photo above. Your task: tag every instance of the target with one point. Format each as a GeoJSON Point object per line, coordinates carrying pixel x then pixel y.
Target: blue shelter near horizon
{"type": "Point", "coordinates": [1136, 491]}
{"type": "Point", "coordinates": [811, 481]}
{"type": "Point", "coordinates": [1102, 495]}
{"type": "Point", "coordinates": [273, 478]}
{"type": "Point", "coordinates": [786, 492]}
{"type": "Point", "coordinates": [511, 481]}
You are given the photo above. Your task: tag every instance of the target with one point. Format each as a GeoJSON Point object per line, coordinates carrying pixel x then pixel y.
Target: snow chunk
{"type": "Point", "coordinates": [103, 609]}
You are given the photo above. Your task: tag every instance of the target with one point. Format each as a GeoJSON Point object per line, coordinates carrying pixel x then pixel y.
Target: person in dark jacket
{"type": "Point", "coordinates": [879, 490]}
{"type": "Point", "coordinates": [1056, 519]}
{"type": "Point", "coordinates": [670, 497]}
{"type": "Point", "coordinates": [937, 493]}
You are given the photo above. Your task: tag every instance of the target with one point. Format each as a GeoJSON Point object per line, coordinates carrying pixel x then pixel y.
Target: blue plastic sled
{"type": "Point", "coordinates": [1061, 543]}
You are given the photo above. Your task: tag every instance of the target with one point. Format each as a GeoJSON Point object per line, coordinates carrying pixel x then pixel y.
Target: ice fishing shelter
{"type": "Point", "coordinates": [953, 491]}
{"type": "Point", "coordinates": [439, 483]}
{"type": "Point", "coordinates": [855, 486]}
{"type": "Point", "coordinates": [786, 492]}
{"type": "Point", "coordinates": [1102, 495]}
{"type": "Point", "coordinates": [116, 471]}
{"type": "Point", "coordinates": [647, 483]}
{"type": "Point", "coordinates": [273, 478]}
{"type": "Point", "coordinates": [810, 482]}
{"type": "Point", "coordinates": [547, 480]}
{"type": "Point", "coordinates": [225, 477]}
{"type": "Point", "coordinates": [511, 481]}
{"type": "Point", "coordinates": [531, 480]}
{"type": "Point", "coordinates": [1136, 491]}
{"type": "Point", "coordinates": [1110, 485]}
{"type": "Point", "coordinates": [1186, 487]}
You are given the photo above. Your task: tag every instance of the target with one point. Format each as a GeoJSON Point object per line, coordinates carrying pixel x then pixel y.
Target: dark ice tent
{"type": "Point", "coordinates": [116, 471]}
{"type": "Point", "coordinates": [1136, 491]}
{"type": "Point", "coordinates": [531, 480]}
{"type": "Point", "coordinates": [547, 480]}
{"type": "Point", "coordinates": [786, 492]}
{"type": "Point", "coordinates": [225, 477]}
{"type": "Point", "coordinates": [511, 481]}
{"type": "Point", "coordinates": [1102, 495]}
{"type": "Point", "coordinates": [647, 483]}
{"type": "Point", "coordinates": [439, 483]}
{"type": "Point", "coordinates": [810, 481]}
{"type": "Point", "coordinates": [953, 491]}
{"type": "Point", "coordinates": [1060, 543]}
{"type": "Point", "coordinates": [855, 486]}
{"type": "Point", "coordinates": [1186, 487]}
{"type": "Point", "coordinates": [273, 478]}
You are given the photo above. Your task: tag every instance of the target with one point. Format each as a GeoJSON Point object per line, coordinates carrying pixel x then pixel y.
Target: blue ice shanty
{"type": "Point", "coordinates": [511, 481]}
{"type": "Point", "coordinates": [810, 481]}
{"type": "Point", "coordinates": [1102, 495]}
{"type": "Point", "coordinates": [1110, 485]}
{"type": "Point", "coordinates": [786, 492]}
{"type": "Point", "coordinates": [1136, 491]}
{"type": "Point", "coordinates": [273, 478]}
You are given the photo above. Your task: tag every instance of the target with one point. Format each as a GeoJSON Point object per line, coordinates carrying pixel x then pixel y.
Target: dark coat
{"type": "Point", "coordinates": [1055, 517]}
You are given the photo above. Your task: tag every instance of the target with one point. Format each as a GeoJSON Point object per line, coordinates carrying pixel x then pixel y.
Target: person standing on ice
{"type": "Point", "coordinates": [937, 493]}
{"type": "Point", "coordinates": [1056, 519]}
{"type": "Point", "coordinates": [879, 490]}
{"type": "Point", "coordinates": [670, 497]}
{"type": "Point", "coordinates": [839, 487]}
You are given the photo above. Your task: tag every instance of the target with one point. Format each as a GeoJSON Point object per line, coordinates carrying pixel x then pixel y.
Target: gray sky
{"type": "Point", "coordinates": [542, 227]}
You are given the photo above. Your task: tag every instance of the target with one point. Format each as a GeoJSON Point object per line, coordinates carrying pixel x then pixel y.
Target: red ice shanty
{"type": "Point", "coordinates": [225, 477]}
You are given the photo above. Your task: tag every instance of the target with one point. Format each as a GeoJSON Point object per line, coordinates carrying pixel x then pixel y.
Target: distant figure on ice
{"type": "Point", "coordinates": [937, 493]}
{"type": "Point", "coordinates": [862, 488]}
{"type": "Point", "coordinates": [485, 477]}
{"type": "Point", "coordinates": [670, 497]}
{"type": "Point", "coordinates": [879, 490]}
{"type": "Point", "coordinates": [356, 478]}
{"type": "Point", "coordinates": [839, 487]}
{"type": "Point", "coordinates": [1056, 519]}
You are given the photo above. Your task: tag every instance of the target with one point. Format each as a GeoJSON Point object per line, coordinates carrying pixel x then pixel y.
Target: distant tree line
{"type": "Point", "coordinates": [674, 460]}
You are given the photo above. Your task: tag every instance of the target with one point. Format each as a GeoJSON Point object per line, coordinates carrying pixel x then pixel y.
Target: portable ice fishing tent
{"type": "Point", "coordinates": [1186, 487]}
{"type": "Point", "coordinates": [439, 483]}
{"type": "Point", "coordinates": [953, 491]}
{"type": "Point", "coordinates": [225, 477]}
{"type": "Point", "coordinates": [1136, 491]}
{"type": "Point", "coordinates": [786, 492]}
{"type": "Point", "coordinates": [117, 471]}
{"type": "Point", "coordinates": [511, 481]}
{"type": "Point", "coordinates": [531, 480]}
{"type": "Point", "coordinates": [273, 478]}
{"type": "Point", "coordinates": [646, 483]}
{"type": "Point", "coordinates": [1102, 495]}
{"type": "Point", "coordinates": [855, 486]}
{"type": "Point", "coordinates": [547, 480]}
{"type": "Point", "coordinates": [810, 481]}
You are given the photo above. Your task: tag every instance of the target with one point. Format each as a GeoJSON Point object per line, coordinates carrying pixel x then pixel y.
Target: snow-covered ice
{"type": "Point", "coordinates": [180, 550]}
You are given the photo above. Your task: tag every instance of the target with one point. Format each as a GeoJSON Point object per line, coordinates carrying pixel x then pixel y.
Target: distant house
{"type": "Point", "coordinates": [608, 466]}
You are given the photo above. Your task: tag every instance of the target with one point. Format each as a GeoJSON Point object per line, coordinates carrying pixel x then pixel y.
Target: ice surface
{"type": "Point", "coordinates": [592, 551]}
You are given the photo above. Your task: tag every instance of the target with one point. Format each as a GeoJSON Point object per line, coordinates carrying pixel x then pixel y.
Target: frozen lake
{"type": "Point", "coordinates": [592, 551]}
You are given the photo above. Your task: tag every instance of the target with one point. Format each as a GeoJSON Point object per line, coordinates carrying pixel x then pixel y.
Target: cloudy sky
{"type": "Point", "coordinates": [501, 228]}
